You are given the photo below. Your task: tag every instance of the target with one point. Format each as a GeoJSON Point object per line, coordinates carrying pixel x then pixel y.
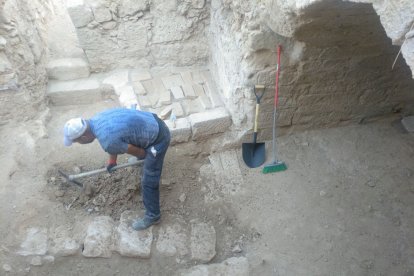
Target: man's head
{"type": "Point", "coordinates": [77, 130]}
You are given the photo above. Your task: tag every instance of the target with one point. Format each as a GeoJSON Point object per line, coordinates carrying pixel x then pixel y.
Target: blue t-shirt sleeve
{"type": "Point", "coordinates": [117, 147]}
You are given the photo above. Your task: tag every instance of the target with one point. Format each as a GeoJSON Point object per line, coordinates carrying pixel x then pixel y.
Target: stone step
{"type": "Point", "coordinates": [82, 91]}
{"type": "Point", "coordinates": [68, 69]}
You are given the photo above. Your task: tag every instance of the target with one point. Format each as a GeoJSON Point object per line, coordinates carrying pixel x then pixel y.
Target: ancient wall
{"type": "Point", "coordinates": [22, 57]}
{"type": "Point", "coordinates": [126, 33]}
{"type": "Point", "coordinates": [336, 62]}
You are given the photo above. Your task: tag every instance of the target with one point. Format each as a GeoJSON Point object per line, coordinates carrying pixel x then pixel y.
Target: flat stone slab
{"type": "Point", "coordinates": [173, 240]}
{"type": "Point", "coordinates": [209, 122]}
{"type": "Point", "coordinates": [132, 243]}
{"type": "Point", "coordinates": [203, 241]}
{"type": "Point", "coordinates": [232, 266]}
{"type": "Point", "coordinates": [35, 243]}
{"type": "Point", "coordinates": [83, 91]}
{"type": "Point", "coordinates": [117, 79]}
{"type": "Point", "coordinates": [408, 123]}
{"type": "Point", "coordinates": [181, 132]}
{"type": "Point", "coordinates": [68, 69]}
{"type": "Point", "coordinates": [98, 241]}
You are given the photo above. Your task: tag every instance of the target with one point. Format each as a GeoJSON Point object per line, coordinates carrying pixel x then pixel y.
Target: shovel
{"type": "Point", "coordinates": [72, 177]}
{"type": "Point", "coordinates": [254, 153]}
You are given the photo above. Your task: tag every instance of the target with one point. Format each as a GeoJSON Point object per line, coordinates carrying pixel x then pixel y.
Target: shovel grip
{"type": "Point", "coordinates": [256, 118]}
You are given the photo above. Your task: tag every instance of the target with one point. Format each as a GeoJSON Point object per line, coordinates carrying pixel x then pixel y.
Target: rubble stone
{"type": "Point", "coordinates": [210, 122]}
{"type": "Point", "coordinates": [35, 243]}
{"type": "Point", "coordinates": [203, 241]}
{"type": "Point", "coordinates": [99, 238]}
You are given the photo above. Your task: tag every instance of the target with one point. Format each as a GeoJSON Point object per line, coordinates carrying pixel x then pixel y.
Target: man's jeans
{"type": "Point", "coordinates": [150, 182]}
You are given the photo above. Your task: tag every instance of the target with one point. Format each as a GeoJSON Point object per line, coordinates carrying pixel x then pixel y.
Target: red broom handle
{"type": "Point", "coordinates": [279, 49]}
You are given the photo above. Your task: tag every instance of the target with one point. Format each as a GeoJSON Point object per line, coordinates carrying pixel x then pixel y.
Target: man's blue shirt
{"type": "Point", "coordinates": [116, 128]}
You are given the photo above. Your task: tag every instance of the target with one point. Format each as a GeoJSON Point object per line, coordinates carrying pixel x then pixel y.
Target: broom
{"type": "Point", "coordinates": [275, 165]}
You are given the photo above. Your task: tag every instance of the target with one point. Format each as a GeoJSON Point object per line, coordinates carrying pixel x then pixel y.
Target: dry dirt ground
{"type": "Point", "coordinates": [345, 206]}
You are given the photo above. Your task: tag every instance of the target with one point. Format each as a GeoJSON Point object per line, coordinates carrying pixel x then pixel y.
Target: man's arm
{"type": "Point", "coordinates": [136, 151]}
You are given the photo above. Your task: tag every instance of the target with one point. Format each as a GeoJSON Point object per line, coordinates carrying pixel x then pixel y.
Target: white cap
{"type": "Point", "coordinates": [74, 128]}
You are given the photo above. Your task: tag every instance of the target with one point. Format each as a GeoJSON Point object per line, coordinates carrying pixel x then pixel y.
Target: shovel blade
{"type": "Point", "coordinates": [253, 154]}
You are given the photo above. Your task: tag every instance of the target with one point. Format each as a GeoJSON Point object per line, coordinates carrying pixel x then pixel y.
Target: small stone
{"type": "Point", "coordinates": [53, 180]}
{"type": "Point", "coordinates": [90, 210]}
{"type": "Point", "coordinates": [36, 261]}
{"type": "Point", "coordinates": [182, 197]}
{"type": "Point", "coordinates": [371, 183]}
{"type": "Point", "coordinates": [322, 193]}
{"type": "Point", "coordinates": [7, 268]}
{"type": "Point", "coordinates": [59, 193]}
{"type": "Point", "coordinates": [165, 113]}
{"type": "Point", "coordinates": [27, 269]}
{"type": "Point", "coordinates": [236, 249]}
{"type": "Point", "coordinates": [367, 264]}
{"type": "Point", "coordinates": [76, 169]}
{"type": "Point", "coordinates": [96, 209]}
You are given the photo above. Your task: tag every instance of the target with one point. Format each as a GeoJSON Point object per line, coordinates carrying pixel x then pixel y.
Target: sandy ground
{"type": "Point", "coordinates": [344, 206]}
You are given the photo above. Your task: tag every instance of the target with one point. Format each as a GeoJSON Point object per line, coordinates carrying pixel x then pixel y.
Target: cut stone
{"type": "Point", "coordinates": [35, 242]}
{"type": "Point", "coordinates": [177, 110]}
{"type": "Point", "coordinates": [98, 241]}
{"type": "Point", "coordinates": [137, 76]}
{"type": "Point", "coordinates": [144, 102]}
{"type": "Point", "coordinates": [117, 79]}
{"type": "Point", "coordinates": [133, 243]}
{"type": "Point", "coordinates": [164, 94]}
{"type": "Point", "coordinates": [172, 240]}
{"type": "Point", "coordinates": [165, 113]}
{"type": "Point", "coordinates": [189, 91]}
{"type": "Point", "coordinates": [172, 81]}
{"type": "Point", "coordinates": [199, 91]}
{"type": "Point", "coordinates": [65, 247]}
{"type": "Point", "coordinates": [68, 69]}
{"type": "Point", "coordinates": [192, 106]}
{"type": "Point", "coordinates": [80, 14]}
{"type": "Point", "coordinates": [177, 92]}
{"type": "Point", "coordinates": [408, 123]}
{"type": "Point", "coordinates": [233, 266]}
{"type": "Point", "coordinates": [203, 242]}
{"type": "Point", "coordinates": [210, 122]}
{"type": "Point", "coordinates": [83, 91]}
{"type": "Point", "coordinates": [139, 88]}
{"type": "Point", "coordinates": [197, 77]}
{"type": "Point", "coordinates": [181, 132]}
{"type": "Point", "coordinates": [186, 77]}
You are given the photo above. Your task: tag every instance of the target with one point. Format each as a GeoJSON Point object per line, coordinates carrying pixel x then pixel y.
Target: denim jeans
{"type": "Point", "coordinates": [150, 182]}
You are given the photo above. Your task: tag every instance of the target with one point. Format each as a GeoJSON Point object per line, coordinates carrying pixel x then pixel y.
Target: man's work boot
{"type": "Point", "coordinates": [144, 223]}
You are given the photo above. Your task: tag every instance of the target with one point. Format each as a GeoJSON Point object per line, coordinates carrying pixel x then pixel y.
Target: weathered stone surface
{"type": "Point", "coordinates": [132, 243]}
{"type": "Point", "coordinates": [408, 123]}
{"type": "Point", "coordinates": [99, 238]}
{"type": "Point", "coordinates": [177, 109]}
{"type": "Point", "coordinates": [203, 241]}
{"type": "Point", "coordinates": [101, 13]}
{"type": "Point", "coordinates": [35, 243]}
{"type": "Point", "coordinates": [173, 240]}
{"type": "Point", "coordinates": [36, 261]}
{"type": "Point", "coordinates": [138, 75]}
{"type": "Point", "coordinates": [209, 122]}
{"type": "Point", "coordinates": [68, 69]}
{"type": "Point", "coordinates": [131, 7]}
{"type": "Point", "coordinates": [233, 266]}
{"type": "Point", "coordinates": [181, 132]}
{"type": "Point", "coordinates": [177, 92]}
{"type": "Point", "coordinates": [165, 112]}
{"type": "Point", "coordinates": [204, 100]}
{"type": "Point", "coordinates": [189, 91]}
{"type": "Point", "coordinates": [65, 247]}
{"type": "Point", "coordinates": [117, 79]}
{"type": "Point", "coordinates": [74, 92]}
{"type": "Point", "coordinates": [80, 14]}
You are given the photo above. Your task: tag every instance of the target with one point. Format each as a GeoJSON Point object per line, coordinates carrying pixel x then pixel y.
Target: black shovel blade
{"type": "Point", "coordinates": [253, 154]}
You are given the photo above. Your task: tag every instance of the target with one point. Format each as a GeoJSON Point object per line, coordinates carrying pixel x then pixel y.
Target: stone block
{"type": "Point", "coordinates": [234, 266]}
{"type": "Point", "coordinates": [80, 14]}
{"type": "Point", "coordinates": [178, 110]}
{"type": "Point", "coordinates": [197, 77]}
{"type": "Point", "coordinates": [172, 81]}
{"type": "Point", "coordinates": [101, 13]}
{"type": "Point", "coordinates": [35, 243]}
{"type": "Point", "coordinates": [177, 92]}
{"type": "Point", "coordinates": [213, 96]}
{"type": "Point", "coordinates": [408, 123]}
{"type": "Point", "coordinates": [203, 241]}
{"type": "Point", "coordinates": [210, 122]}
{"type": "Point", "coordinates": [189, 91]}
{"type": "Point", "coordinates": [186, 77]}
{"type": "Point", "coordinates": [172, 240]}
{"type": "Point", "coordinates": [83, 91]}
{"type": "Point", "coordinates": [181, 132]}
{"type": "Point", "coordinates": [132, 243]}
{"type": "Point", "coordinates": [131, 7]}
{"type": "Point", "coordinates": [117, 79]}
{"type": "Point", "coordinates": [144, 102]}
{"type": "Point", "coordinates": [165, 113]}
{"type": "Point", "coordinates": [139, 88]}
{"type": "Point", "coordinates": [68, 69]}
{"type": "Point", "coordinates": [98, 241]}
{"type": "Point", "coordinates": [137, 75]}
{"type": "Point", "coordinates": [164, 94]}
{"type": "Point", "coordinates": [204, 100]}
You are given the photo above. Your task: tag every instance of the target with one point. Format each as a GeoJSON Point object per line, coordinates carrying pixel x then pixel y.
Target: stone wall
{"type": "Point", "coordinates": [128, 34]}
{"type": "Point", "coordinates": [22, 57]}
{"type": "Point", "coordinates": [336, 61]}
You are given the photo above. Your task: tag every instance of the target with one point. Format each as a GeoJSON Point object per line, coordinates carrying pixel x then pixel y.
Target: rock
{"type": "Point", "coordinates": [203, 241]}
{"type": "Point", "coordinates": [182, 197]}
{"type": "Point", "coordinates": [77, 170]}
{"type": "Point", "coordinates": [131, 7]}
{"type": "Point", "coordinates": [233, 266]}
{"type": "Point", "coordinates": [371, 183]}
{"type": "Point", "coordinates": [165, 113]}
{"type": "Point", "coordinates": [59, 193]}
{"type": "Point", "coordinates": [36, 261]}
{"type": "Point", "coordinates": [35, 242]}
{"type": "Point", "coordinates": [98, 241]}
{"type": "Point", "coordinates": [3, 43]}
{"type": "Point", "coordinates": [172, 239]}
{"type": "Point", "coordinates": [132, 243]}
{"type": "Point", "coordinates": [65, 246]}
{"type": "Point", "coordinates": [236, 249]}
{"type": "Point", "coordinates": [408, 123]}
{"type": "Point", "coordinates": [80, 14]}
{"type": "Point", "coordinates": [101, 13]}
{"type": "Point", "coordinates": [109, 25]}
{"type": "Point", "coordinates": [7, 268]}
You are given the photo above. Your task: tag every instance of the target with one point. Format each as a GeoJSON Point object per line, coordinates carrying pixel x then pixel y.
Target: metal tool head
{"type": "Point", "coordinates": [253, 154]}
{"type": "Point", "coordinates": [73, 181]}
